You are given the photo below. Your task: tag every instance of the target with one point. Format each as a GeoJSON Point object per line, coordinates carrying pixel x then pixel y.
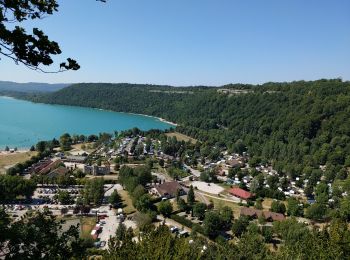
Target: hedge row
{"type": "Point", "coordinates": [188, 223]}
{"type": "Point", "coordinates": [182, 220]}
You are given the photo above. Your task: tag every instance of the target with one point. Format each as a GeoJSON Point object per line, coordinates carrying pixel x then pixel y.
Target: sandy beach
{"type": "Point", "coordinates": [8, 159]}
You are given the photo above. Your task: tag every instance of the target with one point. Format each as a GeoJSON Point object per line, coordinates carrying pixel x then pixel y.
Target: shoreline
{"type": "Point", "coordinates": [21, 150]}
{"type": "Point", "coordinates": [166, 121]}
{"type": "Point", "coordinates": [158, 118]}
{"type": "Point", "coordinates": [138, 114]}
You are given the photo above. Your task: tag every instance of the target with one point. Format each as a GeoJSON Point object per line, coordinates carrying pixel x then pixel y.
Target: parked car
{"type": "Point", "coordinates": [183, 233]}
{"type": "Point", "coordinates": [97, 244]}
{"type": "Point", "coordinates": [174, 229]}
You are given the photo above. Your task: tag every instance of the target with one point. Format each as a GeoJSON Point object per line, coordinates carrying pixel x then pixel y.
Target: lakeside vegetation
{"type": "Point", "coordinates": [295, 125]}
{"type": "Point", "coordinates": [10, 159]}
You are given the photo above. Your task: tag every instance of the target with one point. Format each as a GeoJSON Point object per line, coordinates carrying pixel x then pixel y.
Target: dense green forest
{"type": "Point", "coordinates": [294, 125]}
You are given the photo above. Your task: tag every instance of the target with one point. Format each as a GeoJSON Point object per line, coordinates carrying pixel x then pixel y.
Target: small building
{"type": "Point", "coordinates": [234, 163]}
{"type": "Point", "coordinates": [250, 212]}
{"type": "Point", "coordinates": [37, 167]}
{"type": "Point", "coordinates": [273, 216]}
{"type": "Point", "coordinates": [50, 167]}
{"type": "Point", "coordinates": [97, 170]}
{"type": "Point", "coordinates": [168, 189]}
{"type": "Point", "coordinates": [75, 159]}
{"type": "Point", "coordinates": [256, 213]}
{"type": "Point", "coordinates": [60, 171]}
{"type": "Point", "coordinates": [240, 193]}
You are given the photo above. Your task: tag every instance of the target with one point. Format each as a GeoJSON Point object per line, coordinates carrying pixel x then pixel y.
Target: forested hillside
{"type": "Point", "coordinates": [294, 124]}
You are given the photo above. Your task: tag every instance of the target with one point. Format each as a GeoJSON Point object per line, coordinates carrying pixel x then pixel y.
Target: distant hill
{"type": "Point", "coordinates": [30, 87]}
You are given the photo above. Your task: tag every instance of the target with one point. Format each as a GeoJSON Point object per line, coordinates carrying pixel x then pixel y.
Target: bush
{"type": "Point", "coordinates": [183, 221]}
{"type": "Point", "coordinates": [165, 208]}
{"type": "Point", "coordinates": [197, 228]}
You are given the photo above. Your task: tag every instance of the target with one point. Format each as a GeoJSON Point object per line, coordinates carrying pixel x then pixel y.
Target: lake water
{"type": "Point", "coordinates": [24, 123]}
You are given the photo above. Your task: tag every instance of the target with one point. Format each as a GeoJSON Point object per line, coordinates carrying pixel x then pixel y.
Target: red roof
{"type": "Point", "coordinates": [238, 192]}
{"type": "Point", "coordinates": [51, 166]}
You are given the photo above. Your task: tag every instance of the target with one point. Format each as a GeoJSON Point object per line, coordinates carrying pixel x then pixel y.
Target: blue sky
{"type": "Point", "coordinates": [197, 42]}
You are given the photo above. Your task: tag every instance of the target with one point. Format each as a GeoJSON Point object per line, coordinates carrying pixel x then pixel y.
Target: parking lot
{"type": "Point", "coordinates": [208, 187]}
{"type": "Point", "coordinates": [44, 199]}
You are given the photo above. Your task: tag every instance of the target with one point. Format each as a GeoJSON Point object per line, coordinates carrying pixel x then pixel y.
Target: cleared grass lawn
{"type": "Point", "coordinates": [8, 160]}
{"type": "Point", "coordinates": [86, 225]}
{"type": "Point", "coordinates": [112, 177]}
{"type": "Point", "coordinates": [88, 147]}
{"type": "Point", "coordinates": [181, 137]}
{"type": "Point", "coordinates": [221, 203]}
{"type": "Point", "coordinates": [128, 207]}
{"type": "Point", "coordinates": [267, 203]}
{"type": "Point", "coordinates": [159, 168]}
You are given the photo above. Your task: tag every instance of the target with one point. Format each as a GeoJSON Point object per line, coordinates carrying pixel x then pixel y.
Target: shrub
{"type": "Point", "coordinates": [183, 221]}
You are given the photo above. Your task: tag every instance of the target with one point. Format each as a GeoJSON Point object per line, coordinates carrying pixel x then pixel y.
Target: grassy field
{"type": "Point", "coordinates": [129, 208]}
{"type": "Point", "coordinates": [159, 168]}
{"type": "Point", "coordinates": [87, 224]}
{"type": "Point", "coordinates": [267, 203]}
{"type": "Point", "coordinates": [8, 160]}
{"type": "Point", "coordinates": [88, 147]}
{"type": "Point", "coordinates": [112, 177]}
{"type": "Point", "coordinates": [221, 203]}
{"type": "Point", "coordinates": [182, 137]}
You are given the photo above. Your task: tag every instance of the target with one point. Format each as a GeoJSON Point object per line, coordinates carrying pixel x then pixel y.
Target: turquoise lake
{"type": "Point", "coordinates": [24, 123]}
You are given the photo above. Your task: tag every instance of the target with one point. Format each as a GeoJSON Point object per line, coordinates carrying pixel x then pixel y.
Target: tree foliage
{"type": "Point", "coordinates": [297, 125]}
{"type": "Point", "coordinates": [165, 208]}
{"type": "Point", "coordinates": [115, 198]}
{"type": "Point", "coordinates": [33, 49]}
{"type": "Point", "coordinates": [13, 186]}
{"type": "Point", "coordinates": [93, 191]}
{"type": "Point", "coordinates": [38, 236]}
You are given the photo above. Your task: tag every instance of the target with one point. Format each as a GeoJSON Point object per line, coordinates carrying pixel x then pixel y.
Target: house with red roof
{"type": "Point", "coordinates": [240, 193]}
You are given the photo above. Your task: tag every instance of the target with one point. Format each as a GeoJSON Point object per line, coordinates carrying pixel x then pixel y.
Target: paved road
{"type": "Point", "coordinates": [110, 227]}
{"type": "Point", "coordinates": [233, 199]}
{"type": "Point", "coordinates": [112, 222]}
{"type": "Point", "coordinates": [111, 188]}
{"type": "Point", "coordinates": [201, 198]}
{"type": "Point", "coordinates": [193, 171]}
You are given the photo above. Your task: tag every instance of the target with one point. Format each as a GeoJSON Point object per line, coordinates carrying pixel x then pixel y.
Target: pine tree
{"type": "Point", "coordinates": [190, 196]}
